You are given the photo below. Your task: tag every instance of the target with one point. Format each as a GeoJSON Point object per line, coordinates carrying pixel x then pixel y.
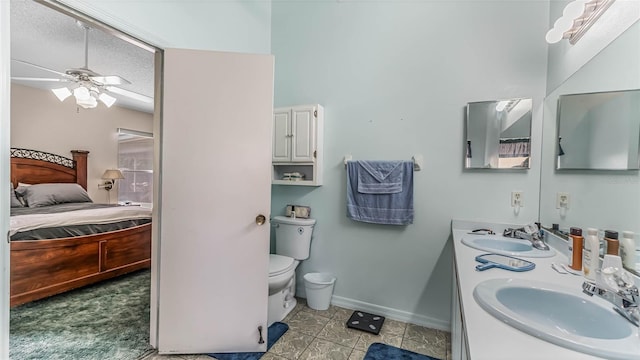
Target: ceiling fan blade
{"type": "Point", "coordinates": [110, 80]}
{"type": "Point", "coordinates": [42, 68]}
{"type": "Point", "coordinates": [38, 79]}
{"type": "Point", "coordinates": [130, 94]}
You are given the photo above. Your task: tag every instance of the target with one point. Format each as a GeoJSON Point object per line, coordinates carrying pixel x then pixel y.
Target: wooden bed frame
{"type": "Point", "coordinates": [41, 268]}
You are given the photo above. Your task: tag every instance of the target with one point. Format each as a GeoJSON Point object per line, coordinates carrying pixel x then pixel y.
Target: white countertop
{"type": "Point", "coordinates": [489, 338]}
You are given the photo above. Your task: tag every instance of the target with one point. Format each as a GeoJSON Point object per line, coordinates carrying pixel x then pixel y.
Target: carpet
{"type": "Point", "coordinates": [109, 320]}
{"type": "Point", "coordinates": [276, 330]}
{"type": "Point", "coordinates": [378, 351]}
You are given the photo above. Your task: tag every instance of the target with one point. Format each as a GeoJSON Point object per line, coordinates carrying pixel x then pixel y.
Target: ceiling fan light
{"type": "Point", "coordinates": [88, 103]}
{"type": "Point", "coordinates": [107, 99]}
{"type": "Point", "coordinates": [81, 93]}
{"type": "Point", "coordinates": [61, 93]}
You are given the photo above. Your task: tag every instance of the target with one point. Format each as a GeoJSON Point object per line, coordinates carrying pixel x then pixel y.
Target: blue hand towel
{"type": "Point", "coordinates": [386, 208]}
{"type": "Point", "coordinates": [379, 177]}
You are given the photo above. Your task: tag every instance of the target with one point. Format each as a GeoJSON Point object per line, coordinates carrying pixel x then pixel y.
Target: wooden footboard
{"type": "Point", "coordinates": [41, 268]}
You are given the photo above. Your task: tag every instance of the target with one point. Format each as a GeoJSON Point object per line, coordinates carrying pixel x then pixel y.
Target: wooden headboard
{"type": "Point", "coordinates": [37, 167]}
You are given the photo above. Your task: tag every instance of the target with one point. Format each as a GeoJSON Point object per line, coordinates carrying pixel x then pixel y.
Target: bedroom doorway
{"type": "Point", "coordinates": [31, 20]}
{"type": "Point", "coordinates": [198, 126]}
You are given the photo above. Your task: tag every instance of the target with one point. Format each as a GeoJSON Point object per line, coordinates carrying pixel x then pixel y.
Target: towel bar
{"type": "Point", "coordinates": [417, 161]}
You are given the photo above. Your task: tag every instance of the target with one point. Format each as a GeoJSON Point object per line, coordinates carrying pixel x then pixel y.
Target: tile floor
{"type": "Point", "coordinates": [319, 335]}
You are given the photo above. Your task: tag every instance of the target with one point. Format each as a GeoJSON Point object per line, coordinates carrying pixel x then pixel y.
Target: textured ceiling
{"type": "Point", "coordinates": [47, 38]}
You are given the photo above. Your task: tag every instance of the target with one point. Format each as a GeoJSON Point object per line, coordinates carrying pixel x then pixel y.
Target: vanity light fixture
{"type": "Point", "coordinates": [576, 19]}
{"type": "Point", "coordinates": [507, 105]}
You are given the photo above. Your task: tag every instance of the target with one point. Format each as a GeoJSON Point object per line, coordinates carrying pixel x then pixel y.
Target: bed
{"type": "Point", "coordinates": [44, 267]}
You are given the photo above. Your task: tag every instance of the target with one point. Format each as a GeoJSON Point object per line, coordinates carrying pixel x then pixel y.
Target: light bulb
{"type": "Point", "coordinates": [88, 103]}
{"type": "Point", "coordinates": [554, 35]}
{"type": "Point", "coordinates": [81, 93]}
{"type": "Point", "coordinates": [563, 24]}
{"type": "Point", "coordinates": [574, 9]}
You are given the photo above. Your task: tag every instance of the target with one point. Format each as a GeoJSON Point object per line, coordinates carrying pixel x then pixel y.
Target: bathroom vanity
{"type": "Point", "coordinates": [478, 335]}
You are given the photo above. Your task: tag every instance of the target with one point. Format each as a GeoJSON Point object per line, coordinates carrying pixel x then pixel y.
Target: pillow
{"type": "Point", "coordinates": [52, 194]}
{"type": "Point", "coordinates": [19, 193]}
{"type": "Point", "coordinates": [14, 200]}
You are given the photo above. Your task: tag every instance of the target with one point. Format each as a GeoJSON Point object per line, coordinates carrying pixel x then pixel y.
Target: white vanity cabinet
{"type": "Point", "coordinates": [297, 145]}
{"type": "Point", "coordinates": [459, 349]}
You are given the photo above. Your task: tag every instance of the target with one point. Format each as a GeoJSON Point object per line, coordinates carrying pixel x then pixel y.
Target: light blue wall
{"type": "Point", "coordinates": [234, 25]}
{"type": "Point", "coordinates": [394, 78]}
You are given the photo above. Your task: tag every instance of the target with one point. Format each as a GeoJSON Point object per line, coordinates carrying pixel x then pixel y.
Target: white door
{"type": "Point", "coordinates": [303, 124]}
{"type": "Point", "coordinates": [282, 135]}
{"type": "Point", "coordinates": [215, 178]}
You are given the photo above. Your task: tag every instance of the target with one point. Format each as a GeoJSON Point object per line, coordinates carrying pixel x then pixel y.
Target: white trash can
{"type": "Point", "coordinates": [319, 288]}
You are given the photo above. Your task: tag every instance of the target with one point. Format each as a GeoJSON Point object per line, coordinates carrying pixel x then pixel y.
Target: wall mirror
{"type": "Point", "coordinates": [498, 134]}
{"type": "Point", "coordinates": [606, 200]}
{"type": "Point", "coordinates": [599, 130]}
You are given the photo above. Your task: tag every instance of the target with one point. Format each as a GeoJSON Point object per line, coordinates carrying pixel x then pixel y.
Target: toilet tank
{"type": "Point", "coordinates": [293, 236]}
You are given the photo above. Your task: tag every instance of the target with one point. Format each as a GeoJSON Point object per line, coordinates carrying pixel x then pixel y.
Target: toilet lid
{"type": "Point", "coordinates": [279, 264]}
{"type": "Point", "coordinates": [293, 221]}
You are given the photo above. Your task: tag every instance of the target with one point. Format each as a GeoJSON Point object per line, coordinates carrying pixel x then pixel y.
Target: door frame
{"type": "Point", "coordinates": [5, 129]}
{"type": "Point", "coordinates": [5, 144]}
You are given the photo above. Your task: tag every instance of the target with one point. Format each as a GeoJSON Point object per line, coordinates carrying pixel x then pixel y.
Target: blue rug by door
{"type": "Point", "coordinates": [276, 330]}
{"type": "Point", "coordinates": [378, 351]}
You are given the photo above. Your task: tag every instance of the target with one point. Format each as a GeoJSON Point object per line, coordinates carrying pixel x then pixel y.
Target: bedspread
{"type": "Point", "coordinates": [27, 219]}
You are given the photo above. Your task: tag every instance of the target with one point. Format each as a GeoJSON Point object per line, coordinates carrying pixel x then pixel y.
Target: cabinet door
{"type": "Point", "coordinates": [303, 142]}
{"type": "Point", "coordinates": [282, 134]}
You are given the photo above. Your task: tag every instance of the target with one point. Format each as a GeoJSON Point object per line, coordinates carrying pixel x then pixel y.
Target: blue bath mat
{"type": "Point", "coordinates": [378, 351]}
{"type": "Point", "coordinates": [276, 330]}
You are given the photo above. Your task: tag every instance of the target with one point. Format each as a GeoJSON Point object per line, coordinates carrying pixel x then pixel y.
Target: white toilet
{"type": "Point", "coordinates": [293, 241]}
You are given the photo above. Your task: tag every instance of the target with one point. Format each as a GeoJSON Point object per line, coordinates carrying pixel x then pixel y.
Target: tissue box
{"type": "Point", "coordinates": [300, 211]}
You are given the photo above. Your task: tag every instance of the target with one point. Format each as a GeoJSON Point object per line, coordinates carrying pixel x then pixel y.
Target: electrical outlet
{"type": "Point", "coordinates": [562, 200]}
{"type": "Point", "coordinates": [517, 199]}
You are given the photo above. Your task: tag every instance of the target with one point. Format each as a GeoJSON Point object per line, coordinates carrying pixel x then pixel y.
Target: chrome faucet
{"type": "Point", "coordinates": [625, 299]}
{"type": "Point", "coordinates": [529, 232]}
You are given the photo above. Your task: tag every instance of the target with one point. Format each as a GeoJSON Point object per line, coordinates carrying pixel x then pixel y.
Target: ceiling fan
{"type": "Point", "coordinates": [86, 85]}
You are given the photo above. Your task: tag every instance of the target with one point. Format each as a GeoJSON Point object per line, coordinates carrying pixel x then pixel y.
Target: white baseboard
{"type": "Point", "coordinates": [390, 313]}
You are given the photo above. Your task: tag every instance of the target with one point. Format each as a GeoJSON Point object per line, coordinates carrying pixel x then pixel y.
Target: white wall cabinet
{"type": "Point", "coordinates": [297, 145]}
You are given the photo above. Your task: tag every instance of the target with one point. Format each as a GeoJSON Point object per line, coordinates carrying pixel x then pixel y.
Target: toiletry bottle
{"type": "Point", "coordinates": [628, 250]}
{"type": "Point", "coordinates": [575, 248]}
{"type": "Point", "coordinates": [611, 239]}
{"type": "Point", "coordinates": [590, 254]}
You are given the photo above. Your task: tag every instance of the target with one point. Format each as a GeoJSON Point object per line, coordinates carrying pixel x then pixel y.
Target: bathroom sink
{"type": "Point", "coordinates": [560, 315]}
{"type": "Point", "coordinates": [505, 246]}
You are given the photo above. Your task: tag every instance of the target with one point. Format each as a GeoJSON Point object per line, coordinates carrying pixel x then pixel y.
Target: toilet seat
{"type": "Point", "coordinates": [279, 264]}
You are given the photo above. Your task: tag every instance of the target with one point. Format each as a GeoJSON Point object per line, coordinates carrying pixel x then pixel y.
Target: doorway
{"type": "Point", "coordinates": [99, 32]}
